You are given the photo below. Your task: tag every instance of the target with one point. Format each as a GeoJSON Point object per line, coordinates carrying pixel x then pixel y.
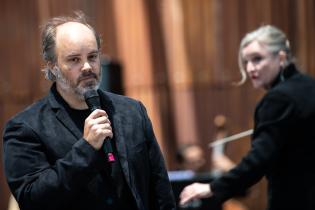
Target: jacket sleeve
{"type": "Point", "coordinates": [160, 188]}
{"type": "Point", "coordinates": [33, 179]}
{"type": "Point", "coordinates": [274, 117]}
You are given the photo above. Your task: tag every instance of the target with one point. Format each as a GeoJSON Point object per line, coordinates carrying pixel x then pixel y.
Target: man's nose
{"type": "Point", "coordinates": [86, 66]}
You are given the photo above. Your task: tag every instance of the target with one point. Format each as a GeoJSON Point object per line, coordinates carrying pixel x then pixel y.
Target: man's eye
{"type": "Point", "coordinates": [74, 60]}
{"type": "Point", "coordinates": [93, 57]}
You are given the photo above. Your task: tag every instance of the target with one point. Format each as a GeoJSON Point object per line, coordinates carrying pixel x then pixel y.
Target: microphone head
{"type": "Point", "coordinates": [92, 99]}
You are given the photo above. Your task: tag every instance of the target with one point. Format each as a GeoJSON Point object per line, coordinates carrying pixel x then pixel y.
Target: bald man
{"type": "Point", "coordinates": [53, 150]}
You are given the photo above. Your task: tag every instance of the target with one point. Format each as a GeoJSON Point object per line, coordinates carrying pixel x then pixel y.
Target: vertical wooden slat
{"type": "Point", "coordinates": [179, 72]}
{"type": "Point", "coordinates": [134, 50]}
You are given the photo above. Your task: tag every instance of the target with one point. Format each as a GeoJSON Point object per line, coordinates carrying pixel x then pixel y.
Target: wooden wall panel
{"type": "Point", "coordinates": [134, 49]}
{"type": "Point", "coordinates": [161, 81]}
{"type": "Point", "coordinates": [20, 70]}
{"type": "Point", "coordinates": [178, 71]}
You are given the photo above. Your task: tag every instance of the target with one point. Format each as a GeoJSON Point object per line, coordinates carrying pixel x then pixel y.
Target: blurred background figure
{"type": "Point", "coordinates": [193, 165]}
{"type": "Point", "coordinates": [191, 157]}
{"type": "Point", "coordinates": [220, 162]}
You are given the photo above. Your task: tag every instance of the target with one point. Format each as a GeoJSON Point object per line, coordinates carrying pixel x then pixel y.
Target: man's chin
{"type": "Point", "coordinates": [81, 90]}
{"type": "Point", "coordinates": [88, 84]}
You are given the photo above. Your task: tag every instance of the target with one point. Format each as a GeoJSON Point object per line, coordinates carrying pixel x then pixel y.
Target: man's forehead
{"type": "Point", "coordinates": [72, 28]}
{"type": "Point", "coordinates": [74, 35]}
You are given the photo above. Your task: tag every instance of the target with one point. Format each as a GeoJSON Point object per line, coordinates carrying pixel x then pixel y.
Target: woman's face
{"type": "Point", "coordinates": [261, 65]}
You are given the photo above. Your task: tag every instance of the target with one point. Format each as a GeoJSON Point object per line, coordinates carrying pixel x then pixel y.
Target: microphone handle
{"type": "Point", "coordinates": [92, 99]}
{"type": "Point", "coordinates": [107, 148]}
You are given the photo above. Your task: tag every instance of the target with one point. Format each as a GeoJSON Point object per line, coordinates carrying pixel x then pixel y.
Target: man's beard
{"type": "Point", "coordinates": [74, 87]}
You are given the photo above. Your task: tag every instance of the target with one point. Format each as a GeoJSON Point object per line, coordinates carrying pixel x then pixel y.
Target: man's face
{"type": "Point", "coordinates": [78, 60]}
{"type": "Point", "coordinates": [194, 158]}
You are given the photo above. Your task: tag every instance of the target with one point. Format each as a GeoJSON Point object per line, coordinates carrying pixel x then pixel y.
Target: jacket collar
{"type": "Point", "coordinates": [57, 102]}
{"type": "Point", "coordinates": [118, 130]}
{"type": "Point", "coordinates": [119, 137]}
{"type": "Point", "coordinates": [285, 74]}
{"type": "Point", "coordinates": [58, 105]}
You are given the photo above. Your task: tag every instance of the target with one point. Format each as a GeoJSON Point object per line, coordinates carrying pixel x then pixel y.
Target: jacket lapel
{"type": "Point", "coordinates": [121, 148]}
{"type": "Point", "coordinates": [117, 124]}
{"type": "Point", "coordinates": [64, 118]}
{"type": "Point", "coordinates": [62, 115]}
{"type": "Point", "coordinates": [116, 120]}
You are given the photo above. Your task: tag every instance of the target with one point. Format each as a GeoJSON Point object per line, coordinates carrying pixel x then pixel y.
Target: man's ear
{"type": "Point", "coordinates": [52, 67]}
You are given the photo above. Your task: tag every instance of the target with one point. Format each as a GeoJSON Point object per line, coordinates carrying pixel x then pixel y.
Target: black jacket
{"type": "Point", "coordinates": [48, 165]}
{"type": "Point", "coordinates": [282, 148]}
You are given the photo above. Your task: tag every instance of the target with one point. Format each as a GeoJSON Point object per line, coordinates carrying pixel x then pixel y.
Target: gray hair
{"type": "Point", "coordinates": [49, 39]}
{"type": "Point", "coordinates": [272, 37]}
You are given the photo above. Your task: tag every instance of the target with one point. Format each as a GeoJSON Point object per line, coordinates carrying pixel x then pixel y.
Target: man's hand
{"type": "Point", "coordinates": [194, 191]}
{"type": "Point", "coordinates": [96, 128]}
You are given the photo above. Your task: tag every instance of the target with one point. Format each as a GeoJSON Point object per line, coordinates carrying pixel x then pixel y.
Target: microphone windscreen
{"type": "Point", "coordinates": [92, 99]}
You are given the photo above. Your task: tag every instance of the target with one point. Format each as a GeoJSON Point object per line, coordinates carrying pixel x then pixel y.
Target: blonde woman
{"type": "Point", "coordinates": [284, 136]}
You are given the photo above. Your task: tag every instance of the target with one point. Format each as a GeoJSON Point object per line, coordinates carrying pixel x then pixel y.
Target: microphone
{"type": "Point", "coordinates": [92, 99]}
